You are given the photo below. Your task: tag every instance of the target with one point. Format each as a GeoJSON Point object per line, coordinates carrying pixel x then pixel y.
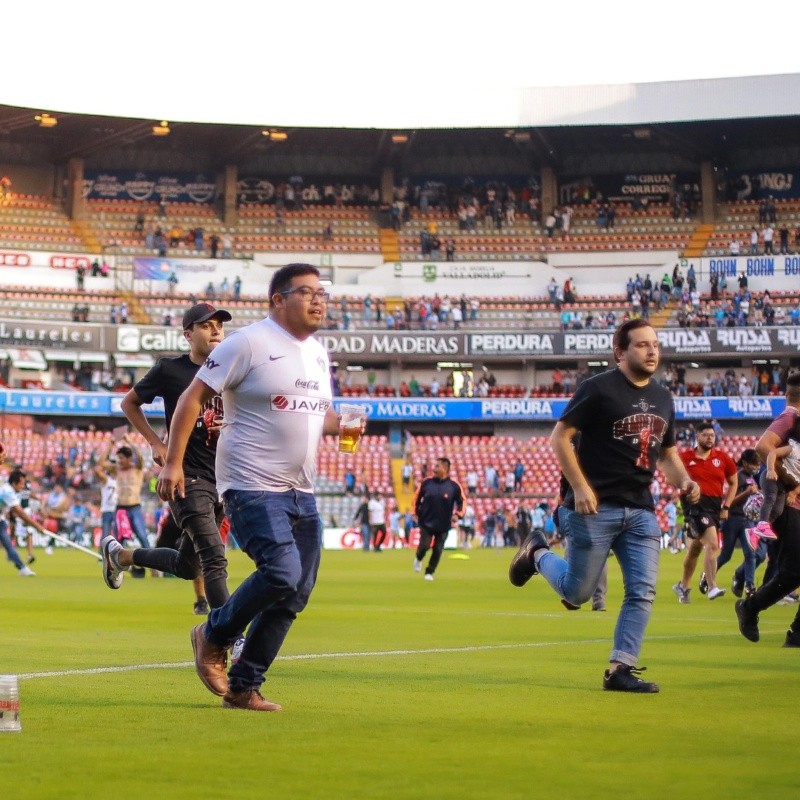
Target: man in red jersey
{"type": "Point", "coordinates": [715, 471]}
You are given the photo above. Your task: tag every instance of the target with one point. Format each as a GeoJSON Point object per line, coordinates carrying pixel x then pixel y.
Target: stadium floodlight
{"type": "Point", "coordinates": [46, 120]}
{"type": "Point", "coordinates": [162, 129]}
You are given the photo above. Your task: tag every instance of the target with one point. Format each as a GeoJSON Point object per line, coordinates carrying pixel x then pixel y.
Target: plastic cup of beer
{"type": "Point", "coordinates": [351, 426]}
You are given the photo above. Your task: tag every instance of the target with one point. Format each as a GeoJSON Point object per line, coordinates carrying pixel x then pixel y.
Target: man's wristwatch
{"type": "Point", "coordinates": [726, 508]}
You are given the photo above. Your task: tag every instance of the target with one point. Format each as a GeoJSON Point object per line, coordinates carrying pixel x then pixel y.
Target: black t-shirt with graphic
{"type": "Point", "coordinates": [743, 480]}
{"type": "Point", "coordinates": [623, 428]}
{"type": "Point", "coordinates": [169, 378]}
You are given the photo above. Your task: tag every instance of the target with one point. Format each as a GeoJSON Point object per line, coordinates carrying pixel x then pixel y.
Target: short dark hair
{"type": "Point", "coordinates": [125, 451]}
{"type": "Point", "coordinates": [282, 279]}
{"type": "Point", "coordinates": [622, 335]}
{"type": "Point", "coordinates": [704, 426]}
{"type": "Point", "coordinates": [445, 461]}
{"type": "Point", "coordinates": [749, 455]}
{"type": "Point", "coordinates": [16, 476]}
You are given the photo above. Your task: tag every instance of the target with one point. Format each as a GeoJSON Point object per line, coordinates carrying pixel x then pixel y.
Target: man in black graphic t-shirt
{"type": "Point", "coordinates": [199, 513]}
{"type": "Point", "coordinates": [626, 426]}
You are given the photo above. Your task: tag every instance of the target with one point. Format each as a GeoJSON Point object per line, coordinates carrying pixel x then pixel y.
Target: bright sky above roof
{"type": "Point", "coordinates": [372, 63]}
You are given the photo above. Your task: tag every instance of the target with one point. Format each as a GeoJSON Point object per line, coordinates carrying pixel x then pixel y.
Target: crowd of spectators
{"type": "Point", "coordinates": [422, 313]}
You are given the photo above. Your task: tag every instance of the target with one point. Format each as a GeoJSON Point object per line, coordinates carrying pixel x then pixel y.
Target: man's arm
{"type": "Point", "coordinates": [102, 465]}
{"type": "Point", "coordinates": [132, 408]}
{"type": "Point", "coordinates": [170, 480]}
{"type": "Point", "coordinates": [674, 470]}
{"type": "Point", "coordinates": [769, 441]}
{"type": "Point", "coordinates": [728, 501]}
{"type": "Point", "coordinates": [20, 512]}
{"type": "Point", "coordinates": [561, 442]}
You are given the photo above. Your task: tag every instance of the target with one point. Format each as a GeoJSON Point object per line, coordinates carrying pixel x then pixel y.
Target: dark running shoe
{"type": "Point", "coordinates": [569, 606]}
{"type": "Point", "coordinates": [748, 622]}
{"type": "Point", "coordinates": [201, 607]}
{"type": "Point", "coordinates": [523, 567]}
{"type": "Point", "coordinates": [737, 587]}
{"type": "Point", "coordinates": [30, 560]}
{"type": "Point", "coordinates": [703, 586]}
{"type": "Point", "coordinates": [792, 639]}
{"type": "Point", "coordinates": [625, 679]}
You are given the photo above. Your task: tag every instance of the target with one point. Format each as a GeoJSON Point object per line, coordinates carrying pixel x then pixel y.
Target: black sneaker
{"type": "Point", "coordinates": [792, 639]}
{"type": "Point", "coordinates": [522, 567]}
{"type": "Point", "coordinates": [201, 607]}
{"type": "Point", "coordinates": [625, 679]}
{"type": "Point", "coordinates": [569, 606]}
{"type": "Point", "coordinates": [737, 587]}
{"type": "Point", "coordinates": [138, 572]}
{"type": "Point", "coordinates": [748, 622]}
{"type": "Point", "coordinates": [30, 560]}
{"type": "Point", "coordinates": [703, 586]}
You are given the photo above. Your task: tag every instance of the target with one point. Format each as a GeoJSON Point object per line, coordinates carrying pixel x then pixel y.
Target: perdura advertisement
{"type": "Point", "coordinates": [395, 409]}
{"type": "Point", "coordinates": [420, 346]}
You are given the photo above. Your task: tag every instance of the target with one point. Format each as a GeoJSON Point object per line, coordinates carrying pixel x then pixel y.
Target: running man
{"type": "Point", "coordinates": [715, 472]}
{"type": "Point", "coordinates": [10, 500]}
{"type": "Point", "coordinates": [626, 423]}
{"type": "Point", "coordinates": [274, 378]}
{"type": "Point", "coordinates": [438, 504]}
{"type": "Point", "coordinates": [198, 513]}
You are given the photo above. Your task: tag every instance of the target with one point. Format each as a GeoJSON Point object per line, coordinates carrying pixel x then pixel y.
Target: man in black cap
{"type": "Point", "coordinates": [198, 514]}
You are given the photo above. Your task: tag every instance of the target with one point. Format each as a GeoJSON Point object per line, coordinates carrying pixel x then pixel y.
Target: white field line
{"type": "Point", "coordinates": [368, 654]}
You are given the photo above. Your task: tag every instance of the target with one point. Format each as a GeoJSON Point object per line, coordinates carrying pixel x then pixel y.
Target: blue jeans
{"type": "Point", "coordinates": [634, 537]}
{"type": "Point", "coordinates": [366, 533]}
{"type": "Point", "coordinates": [282, 533]}
{"type": "Point", "coordinates": [735, 529]}
{"type": "Point", "coordinates": [137, 523]}
{"type": "Point", "coordinates": [5, 542]}
{"type": "Point", "coordinates": [107, 523]}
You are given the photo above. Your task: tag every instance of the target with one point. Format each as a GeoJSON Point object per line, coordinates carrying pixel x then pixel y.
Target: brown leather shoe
{"type": "Point", "coordinates": [248, 700]}
{"type": "Point", "coordinates": [210, 662]}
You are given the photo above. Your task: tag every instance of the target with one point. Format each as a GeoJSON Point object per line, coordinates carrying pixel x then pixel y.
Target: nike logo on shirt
{"type": "Point", "coordinates": [275, 358]}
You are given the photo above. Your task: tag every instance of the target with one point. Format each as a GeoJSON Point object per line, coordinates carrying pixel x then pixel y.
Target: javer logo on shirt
{"type": "Point", "coordinates": [299, 403]}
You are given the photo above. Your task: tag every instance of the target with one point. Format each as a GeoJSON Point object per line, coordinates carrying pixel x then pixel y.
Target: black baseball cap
{"type": "Point", "coordinates": [202, 312]}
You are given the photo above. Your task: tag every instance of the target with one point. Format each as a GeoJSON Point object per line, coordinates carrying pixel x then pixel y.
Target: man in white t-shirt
{"type": "Point", "coordinates": [377, 520]}
{"type": "Point", "coordinates": [108, 492]}
{"type": "Point", "coordinates": [9, 498]}
{"type": "Point", "coordinates": [274, 379]}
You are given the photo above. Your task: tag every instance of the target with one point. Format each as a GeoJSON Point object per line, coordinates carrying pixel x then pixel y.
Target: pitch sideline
{"type": "Point", "coordinates": [365, 654]}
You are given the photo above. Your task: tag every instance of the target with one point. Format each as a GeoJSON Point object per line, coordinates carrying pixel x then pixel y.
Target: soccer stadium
{"type": "Point", "coordinates": [475, 274]}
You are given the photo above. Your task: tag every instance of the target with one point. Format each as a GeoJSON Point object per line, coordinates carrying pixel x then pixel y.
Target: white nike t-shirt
{"type": "Point", "coordinates": [275, 390]}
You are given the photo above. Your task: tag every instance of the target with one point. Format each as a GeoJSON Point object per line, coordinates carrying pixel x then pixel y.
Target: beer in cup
{"type": "Point", "coordinates": [351, 426]}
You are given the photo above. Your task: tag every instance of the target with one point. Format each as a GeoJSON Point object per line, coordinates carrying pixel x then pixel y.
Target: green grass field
{"type": "Point", "coordinates": [392, 687]}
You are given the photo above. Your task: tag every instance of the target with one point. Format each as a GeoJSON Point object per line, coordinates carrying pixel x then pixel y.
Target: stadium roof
{"type": "Point", "coordinates": [421, 65]}
{"type": "Point", "coordinates": [591, 90]}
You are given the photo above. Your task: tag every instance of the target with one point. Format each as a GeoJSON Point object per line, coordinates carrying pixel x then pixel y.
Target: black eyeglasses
{"type": "Point", "coordinates": [308, 294]}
